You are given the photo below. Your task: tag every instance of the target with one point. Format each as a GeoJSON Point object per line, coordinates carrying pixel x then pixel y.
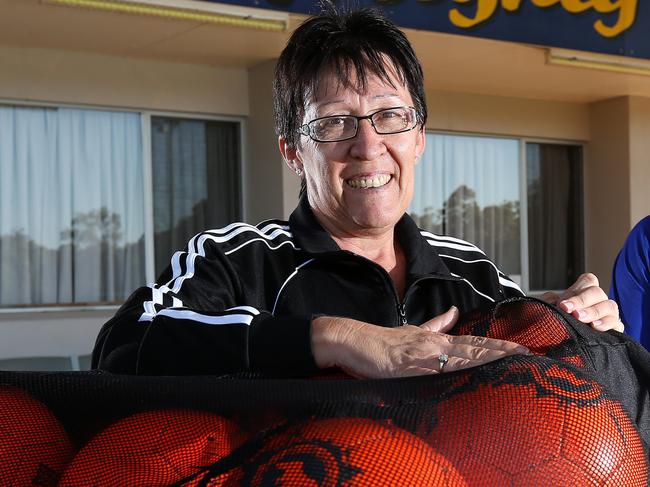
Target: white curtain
{"type": "Point", "coordinates": [468, 187]}
{"type": "Point", "coordinates": [71, 206]}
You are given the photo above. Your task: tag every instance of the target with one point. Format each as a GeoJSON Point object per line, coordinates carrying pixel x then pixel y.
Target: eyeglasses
{"type": "Point", "coordinates": [336, 128]}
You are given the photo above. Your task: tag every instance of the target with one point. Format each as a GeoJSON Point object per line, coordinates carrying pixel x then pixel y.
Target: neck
{"type": "Point", "coordinates": [381, 247]}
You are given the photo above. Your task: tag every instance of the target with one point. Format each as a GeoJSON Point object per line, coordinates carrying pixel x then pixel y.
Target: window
{"type": "Point", "coordinates": [473, 188]}
{"type": "Point", "coordinates": [555, 228]}
{"type": "Point", "coordinates": [195, 180]}
{"type": "Point", "coordinates": [73, 226]}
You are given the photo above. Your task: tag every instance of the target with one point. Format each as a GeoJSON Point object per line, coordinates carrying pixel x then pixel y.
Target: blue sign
{"type": "Point", "coordinates": [620, 27]}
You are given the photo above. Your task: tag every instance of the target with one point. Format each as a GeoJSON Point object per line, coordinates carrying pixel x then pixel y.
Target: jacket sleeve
{"type": "Point", "coordinates": [196, 320]}
{"type": "Point", "coordinates": [510, 288]}
{"type": "Point", "coordinates": [630, 286]}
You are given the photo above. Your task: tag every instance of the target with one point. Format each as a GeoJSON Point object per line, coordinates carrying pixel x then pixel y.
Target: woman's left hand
{"type": "Point", "coordinates": [587, 302]}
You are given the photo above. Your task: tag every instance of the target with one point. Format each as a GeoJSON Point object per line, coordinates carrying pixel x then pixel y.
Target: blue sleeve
{"type": "Point", "coordinates": [630, 286]}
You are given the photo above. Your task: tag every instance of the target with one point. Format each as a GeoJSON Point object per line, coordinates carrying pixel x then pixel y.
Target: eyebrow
{"type": "Point", "coordinates": [327, 103]}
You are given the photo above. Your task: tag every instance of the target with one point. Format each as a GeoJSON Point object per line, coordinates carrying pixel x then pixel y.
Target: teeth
{"type": "Point", "coordinates": [375, 182]}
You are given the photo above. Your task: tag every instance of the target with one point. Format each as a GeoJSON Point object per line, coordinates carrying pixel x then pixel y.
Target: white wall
{"type": "Point", "coordinates": [51, 333]}
{"type": "Point", "coordinates": [94, 79]}
{"type": "Point", "coordinates": [501, 115]}
{"type": "Point", "coordinates": [618, 177]}
{"type": "Point", "coordinates": [264, 180]}
{"type": "Point", "coordinates": [639, 159]}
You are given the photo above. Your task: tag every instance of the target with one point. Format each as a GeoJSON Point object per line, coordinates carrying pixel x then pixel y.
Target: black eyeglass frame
{"type": "Point", "coordinates": [306, 128]}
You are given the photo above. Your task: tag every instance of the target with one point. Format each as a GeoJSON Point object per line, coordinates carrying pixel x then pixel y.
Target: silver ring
{"type": "Point", "coordinates": [443, 358]}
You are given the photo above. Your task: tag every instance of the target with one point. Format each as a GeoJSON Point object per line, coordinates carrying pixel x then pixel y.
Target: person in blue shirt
{"type": "Point", "coordinates": [631, 283]}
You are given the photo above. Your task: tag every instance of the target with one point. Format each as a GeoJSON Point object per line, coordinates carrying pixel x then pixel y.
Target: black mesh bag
{"type": "Point", "coordinates": [573, 413]}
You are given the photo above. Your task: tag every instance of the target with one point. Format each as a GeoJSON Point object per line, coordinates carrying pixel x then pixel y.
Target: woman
{"type": "Point", "coordinates": [349, 281]}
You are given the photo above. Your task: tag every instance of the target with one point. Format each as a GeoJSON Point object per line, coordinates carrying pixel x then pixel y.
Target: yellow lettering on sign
{"type": "Point", "coordinates": [485, 9]}
{"type": "Point", "coordinates": [626, 16]}
{"type": "Point", "coordinates": [511, 5]}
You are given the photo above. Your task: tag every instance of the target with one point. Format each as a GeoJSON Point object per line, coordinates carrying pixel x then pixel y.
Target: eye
{"type": "Point", "coordinates": [333, 124]}
{"type": "Point", "coordinates": [334, 121]}
{"type": "Point", "coordinates": [391, 113]}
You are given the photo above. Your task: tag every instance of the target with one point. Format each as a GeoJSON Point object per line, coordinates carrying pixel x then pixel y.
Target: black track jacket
{"type": "Point", "coordinates": [241, 298]}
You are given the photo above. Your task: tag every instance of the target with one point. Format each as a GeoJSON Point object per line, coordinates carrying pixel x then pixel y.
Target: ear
{"type": "Point", "coordinates": [290, 155]}
{"type": "Point", "coordinates": [420, 144]}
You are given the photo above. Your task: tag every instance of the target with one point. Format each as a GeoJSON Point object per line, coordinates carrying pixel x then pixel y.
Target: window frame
{"type": "Point", "coordinates": [523, 193]}
{"type": "Point", "coordinates": [147, 172]}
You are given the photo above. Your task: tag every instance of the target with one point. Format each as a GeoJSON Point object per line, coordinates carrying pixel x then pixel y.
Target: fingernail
{"type": "Point", "coordinates": [568, 306]}
{"type": "Point", "coordinates": [522, 350]}
{"type": "Point", "coordinates": [597, 322]}
{"type": "Point", "coordinates": [582, 314]}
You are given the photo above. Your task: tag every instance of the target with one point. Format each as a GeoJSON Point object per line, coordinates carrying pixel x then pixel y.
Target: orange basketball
{"type": "Point", "coordinates": [538, 424]}
{"type": "Point", "coordinates": [346, 452]}
{"type": "Point", "coordinates": [34, 446]}
{"type": "Point", "coordinates": [153, 448]}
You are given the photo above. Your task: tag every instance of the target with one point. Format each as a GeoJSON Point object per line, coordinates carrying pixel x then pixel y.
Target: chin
{"type": "Point", "coordinates": [377, 220]}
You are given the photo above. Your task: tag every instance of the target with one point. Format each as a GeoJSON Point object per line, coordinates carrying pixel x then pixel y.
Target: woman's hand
{"type": "Point", "coordinates": [587, 302]}
{"type": "Point", "coordinates": [372, 352]}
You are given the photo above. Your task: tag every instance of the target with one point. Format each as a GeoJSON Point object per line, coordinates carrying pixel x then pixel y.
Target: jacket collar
{"type": "Point", "coordinates": [422, 259]}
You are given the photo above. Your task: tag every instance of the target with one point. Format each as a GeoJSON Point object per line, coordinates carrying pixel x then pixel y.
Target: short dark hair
{"type": "Point", "coordinates": [354, 40]}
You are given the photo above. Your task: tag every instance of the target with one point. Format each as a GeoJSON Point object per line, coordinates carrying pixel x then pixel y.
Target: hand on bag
{"type": "Point", "coordinates": [587, 302]}
{"type": "Point", "coordinates": [372, 352]}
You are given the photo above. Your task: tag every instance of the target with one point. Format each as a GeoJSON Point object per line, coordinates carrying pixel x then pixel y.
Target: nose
{"type": "Point", "coordinates": [368, 144]}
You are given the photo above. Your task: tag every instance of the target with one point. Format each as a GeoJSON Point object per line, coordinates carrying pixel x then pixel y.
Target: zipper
{"type": "Point", "coordinates": [399, 305]}
{"type": "Point", "coordinates": [402, 313]}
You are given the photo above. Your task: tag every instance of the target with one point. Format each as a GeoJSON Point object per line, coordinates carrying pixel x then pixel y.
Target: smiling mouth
{"type": "Point", "coordinates": [367, 183]}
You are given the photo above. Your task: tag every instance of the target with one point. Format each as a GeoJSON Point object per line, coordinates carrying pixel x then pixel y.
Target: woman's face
{"type": "Point", "coordinates": [334, 171]}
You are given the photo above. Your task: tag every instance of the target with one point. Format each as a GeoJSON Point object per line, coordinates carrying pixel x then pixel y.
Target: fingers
{"type": "Point", "coordinates": [608, 323]}
{"type": "Point", "coordinates": [374, 352]}
{"type": "Point", "coordinates": [550, 297]}
{"type": "Point", "coordinates": [464, 352]}
{"type": "Point", "coordinates": [602, 309]}
{"type": "Point", "coordinates": [486, 353]}
{"type": "Point", "coordinates": [586, 297]}
{"type": "Point", "coordinates": [584, 293]}
{"type": "Point", "coordinates": [470, 351]}
{"type": "Point", "coordinates": [453, 364]}
{"type": "Point", "coordinates": [575, 296]}
{"type": "Point", "coordinates": [488, 343]}
{"type": "Point", "coordinates": [584, 281]}
{"type": "Point", "coordinates": [442, 323]}
{"type": "Point", "coordinates": [588, 302]}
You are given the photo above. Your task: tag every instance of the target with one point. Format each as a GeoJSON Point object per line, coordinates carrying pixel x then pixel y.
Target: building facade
{"type": "Point", "coordinates": [123, 133]}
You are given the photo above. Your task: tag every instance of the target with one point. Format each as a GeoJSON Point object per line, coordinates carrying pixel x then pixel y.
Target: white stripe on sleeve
{"type": "Point", "coordinates": [502, 280]}
{"type": "Point", "coordinates": [472, 286]}
{"type": "Point", "coordinates": [186, 314]}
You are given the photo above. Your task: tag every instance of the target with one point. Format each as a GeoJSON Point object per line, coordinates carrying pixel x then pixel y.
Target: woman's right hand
{"type": "Point", "coordinates": [368, 351]}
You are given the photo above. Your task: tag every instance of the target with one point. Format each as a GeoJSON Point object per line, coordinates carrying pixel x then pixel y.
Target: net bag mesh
{"type": "Point", "coordinates": [544, 419]}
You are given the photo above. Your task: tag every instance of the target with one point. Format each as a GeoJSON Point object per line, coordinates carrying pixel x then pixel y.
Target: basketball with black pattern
{"type": "Point", "coordinates": [346, 452]}
{"type": "Point", "coordinates": [531, 421]}
{"type": "Point", "coordinates": [34, 446]}
{"type": "Point", "coordinates": [154, 448]}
